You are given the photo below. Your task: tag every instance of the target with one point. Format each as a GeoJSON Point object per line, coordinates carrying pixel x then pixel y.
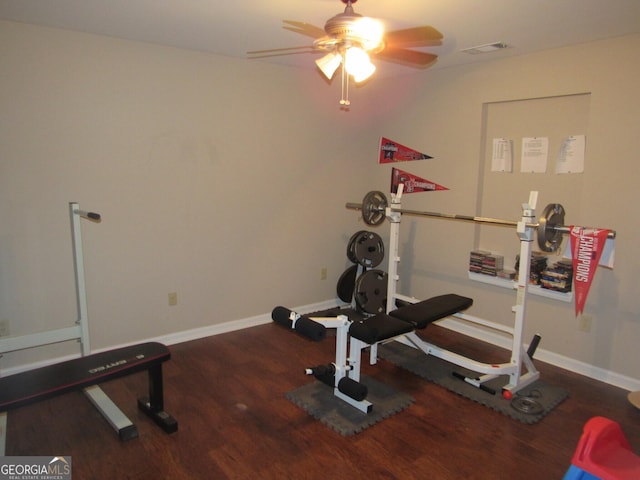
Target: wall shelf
{"type": "Point", "coordinates": [511, 284]}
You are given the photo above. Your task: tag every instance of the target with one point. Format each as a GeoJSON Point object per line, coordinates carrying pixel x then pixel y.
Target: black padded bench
{"type": "Point", "coordinates": [407, 318]}
{"type": "Point", "coordinates": [423, 313]}
{"type": "Point", "coordinates": [41, 383]}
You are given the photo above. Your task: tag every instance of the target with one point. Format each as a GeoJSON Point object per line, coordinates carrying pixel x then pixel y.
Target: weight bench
{"type": "Point", "coordinates": [344, 373]}
{"type": "Point", "coordinates": [86, 373]}
{"type": "Point", "coordinates": [407, 318]}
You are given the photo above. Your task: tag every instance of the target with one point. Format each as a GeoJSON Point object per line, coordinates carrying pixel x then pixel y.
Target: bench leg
{"type": "Point", "coordinates": [153, 405]}
{"type": "Point", "coordinates": [119, 422]}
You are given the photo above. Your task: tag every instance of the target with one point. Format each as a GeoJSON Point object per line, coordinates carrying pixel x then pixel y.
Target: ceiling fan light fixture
{"type": "Point", "coordinates": [364, 72]}
{"type": "Point", "coordinates": [348, 40]}
{"type": "Point", "coordinates": [358, 64]}
{"type": "Point", "coordinates": [329, 64]}
{"type": "Point", "coordinates": [370, 32]}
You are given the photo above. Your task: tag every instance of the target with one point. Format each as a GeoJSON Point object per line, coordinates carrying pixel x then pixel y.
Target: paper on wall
{"type": "Point", "coordinates": [502, 155]}
{"type": "Point", "coordinates": [571, 155]}
{"type": "Point", "coordinates": [535, 154]}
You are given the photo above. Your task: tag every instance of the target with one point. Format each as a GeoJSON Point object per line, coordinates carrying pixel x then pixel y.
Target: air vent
{"type": "Point", "coordinates": [487, 48]}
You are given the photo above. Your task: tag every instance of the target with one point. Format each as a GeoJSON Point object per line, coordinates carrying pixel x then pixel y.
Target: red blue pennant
{"type": "Point", "coordinates": [412, 183]}
{"type": "Point", "coordinates": [391, 152]}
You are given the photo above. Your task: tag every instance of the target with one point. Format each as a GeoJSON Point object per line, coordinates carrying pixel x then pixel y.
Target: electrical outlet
{"type": "Point", "coordinates": [323, 273]}
{"type": "Point", "coordinates": [584, 323]}
{"type": "Point", "coordinates": [4, 328]}
{"type": "Point", "coordinates": [173, 299]}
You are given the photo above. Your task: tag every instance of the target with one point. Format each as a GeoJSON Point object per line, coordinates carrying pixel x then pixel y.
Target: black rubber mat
{"type": "Point", "coordinates": [317, 400]}
{"type": "Point", "coordinates": [528, 405]}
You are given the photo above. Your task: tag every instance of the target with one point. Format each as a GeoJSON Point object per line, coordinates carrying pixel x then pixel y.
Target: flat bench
{"type": "Point", "coordinates": [81, 373]}
{"type": "Point", "coordinates": [405, 319]}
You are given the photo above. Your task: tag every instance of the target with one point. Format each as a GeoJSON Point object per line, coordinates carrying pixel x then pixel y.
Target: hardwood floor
{"type": "Point", "coordinates": [228, 394]}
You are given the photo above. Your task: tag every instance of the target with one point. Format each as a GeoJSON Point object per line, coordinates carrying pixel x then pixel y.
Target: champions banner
{"type": "Point", "coordinates": [412, 184]}
{"type": "Point", "coordinates": [391, 152]}
{"type": "Point", "coordinates": [586, 248]}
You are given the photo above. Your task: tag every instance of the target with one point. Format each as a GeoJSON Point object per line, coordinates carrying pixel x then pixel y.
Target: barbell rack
{"type": "Point", "coordinates": [468, 218]}
{"type": "Point", "coordinates": [549, 229]}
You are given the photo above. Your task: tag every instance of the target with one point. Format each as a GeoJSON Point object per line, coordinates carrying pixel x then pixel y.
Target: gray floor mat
{"type": "Point", "coordinates": [318, 400]}
{"type": "Point", "coordinates": [534, 401]}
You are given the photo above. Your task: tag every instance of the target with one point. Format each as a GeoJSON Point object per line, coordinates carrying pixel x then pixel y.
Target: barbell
{"type": "Point", "coordinates": [550, 226]}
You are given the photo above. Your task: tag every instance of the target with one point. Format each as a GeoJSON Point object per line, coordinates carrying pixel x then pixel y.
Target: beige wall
{"type": "Point", "coordinates": [221, 179]}
{"type": "Point", "coordinates": [443, 117]}
{"type": "Point", "coordinates": [225, 180]}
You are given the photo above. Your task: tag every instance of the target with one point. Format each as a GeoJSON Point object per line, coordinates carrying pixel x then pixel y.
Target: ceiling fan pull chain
{"type": "Point", "coordinates": [345, 87]}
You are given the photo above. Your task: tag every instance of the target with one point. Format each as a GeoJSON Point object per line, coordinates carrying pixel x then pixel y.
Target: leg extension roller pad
{"type": "Point", "coordinates": [353, 389]}
{"type": "Point", "coordinates": [301, 324]}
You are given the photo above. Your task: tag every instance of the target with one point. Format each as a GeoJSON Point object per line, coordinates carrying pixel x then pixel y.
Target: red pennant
{"type": "Point", "coordinates": [412, 184]}
{"type": "Point", "coordinates": [586, 248]}
{"type": "Point", "coordinates": [391, 152]}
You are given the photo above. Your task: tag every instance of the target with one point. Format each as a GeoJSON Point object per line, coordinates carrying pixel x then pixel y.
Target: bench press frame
{"type": "Point", "coordinates": [520, 368]}
{"type": "Point", "coordinates": [79, 331]}
{"type": "Point", "coordinates": [348, 354]}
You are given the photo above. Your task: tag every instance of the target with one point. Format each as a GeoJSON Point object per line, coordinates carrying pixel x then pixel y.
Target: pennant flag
{"type": "Point", "coordinates": [391, 152]}
{"type": "Point", "coordinates": [586, 248]}
{"type": "Point", "coordinates": [412, 184]}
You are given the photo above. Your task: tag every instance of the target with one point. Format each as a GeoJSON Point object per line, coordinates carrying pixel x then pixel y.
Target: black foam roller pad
{"type": "Point", "coordinates": [282, 316]}
{"type": "Point", "coordinates": [353, 389]}
{"type": "Point", "coordinates": [312, 330]}
{"type": "Point", "coordinates": [533, 346]}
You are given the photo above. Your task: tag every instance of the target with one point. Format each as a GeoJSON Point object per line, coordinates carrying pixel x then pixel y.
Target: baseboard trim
{"type": "Point", "coordinates": [450, 323]}
{"type": "Point", "coordinates": [179, 337]}
{"type": "Point", "coordinates": [220, 328]}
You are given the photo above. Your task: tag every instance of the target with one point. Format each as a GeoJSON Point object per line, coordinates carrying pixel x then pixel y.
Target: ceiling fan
{"type": "Point", "coordinates": [350, 40]}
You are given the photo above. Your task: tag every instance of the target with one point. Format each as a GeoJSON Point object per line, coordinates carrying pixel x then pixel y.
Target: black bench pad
{"type": "Point", "coordinates": [377, 328]}
{"type": "Point", "coordinates": [423, 313]}
{"type": "Point", "coordinates": [45, 382]}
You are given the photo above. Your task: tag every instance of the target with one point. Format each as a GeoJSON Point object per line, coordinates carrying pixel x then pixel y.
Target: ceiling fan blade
{"type": "Point", "coordinates": [414, 37]}
{"type": "Point", "coordinates": [304, 28]}
{"type": "Point", "coordinates": [412, 58]}
{"type": "Point", "coordinates": [280, 54]}
{"type": "Point", "coordinates": [280, 51]}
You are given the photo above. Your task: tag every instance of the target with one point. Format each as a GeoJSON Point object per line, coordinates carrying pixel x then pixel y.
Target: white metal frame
{"type": "Point", "coordinates": [346, 364]}
{"type": "Point", "coordinates": [79, 332]}
{"type": "Point", "coordinates": [520, 368]}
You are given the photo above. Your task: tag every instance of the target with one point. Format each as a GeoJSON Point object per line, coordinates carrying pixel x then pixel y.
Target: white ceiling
{"type": "Point", "coordinates": [234, 27]}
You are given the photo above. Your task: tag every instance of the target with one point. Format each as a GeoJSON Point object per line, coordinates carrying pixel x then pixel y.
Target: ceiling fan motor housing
{"type": "Point", "coordinates": [345, 30]}
{"type": "Point", "coordinates": [341, 26]}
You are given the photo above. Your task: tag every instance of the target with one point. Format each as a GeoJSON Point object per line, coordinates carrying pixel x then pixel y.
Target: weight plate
{"type": "Point", "coordinates": [374, 206]}
{"type": "Point", "coordinates": [527, 405]}
{"type": "Point", "coordinates": [347, 284]}
{"type": "Point", "coordinates": [371, 291]}
{"type": "Point", "coordinates": [368, 249]}
{"type": "Point", "coordinates": [351, 245]}
{"type": "Point", "coordinates": [549, 239]}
